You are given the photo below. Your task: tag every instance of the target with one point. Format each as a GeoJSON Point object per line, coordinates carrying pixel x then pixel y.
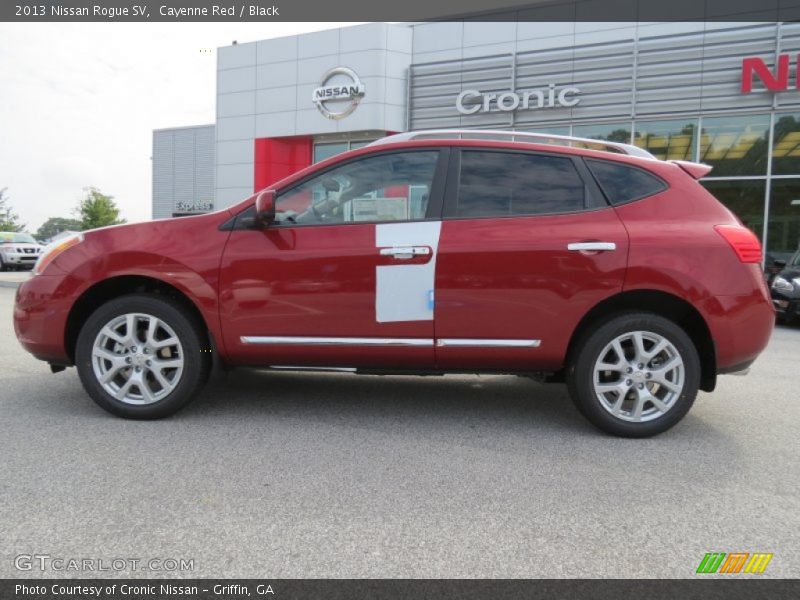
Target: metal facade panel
{"type": "Point", "coordinates": [163, 182]}
{"type": "Point", "coordinates": [665, 69]}
{"type": "Point", "coordinates": [669, 73]}
{"type": "Point", "coordinates": [204, 167]}
{"type": "Point", "coordinates": [434, 87]}
{"type": "Point", "coordinates": [183, 168]}
{"type": "Point", "coordinates": [789, 44]}
{"type": "Point", "coordinates": [722, 66]}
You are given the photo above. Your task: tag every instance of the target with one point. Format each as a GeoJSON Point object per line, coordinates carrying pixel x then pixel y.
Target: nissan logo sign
{"type": "Point", "coordinates": [341, 97]}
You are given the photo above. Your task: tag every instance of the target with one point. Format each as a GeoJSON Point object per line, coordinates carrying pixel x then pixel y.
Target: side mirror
{"type": "Point", "coordinates": [265, 208]}
{"type": "Point", "coordinates": [779, 263]}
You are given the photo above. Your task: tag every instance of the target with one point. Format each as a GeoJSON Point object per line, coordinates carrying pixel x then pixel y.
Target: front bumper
{"type": "Point", "coordinates": [40, 317]}
{"type": "Point", "coordinates": [20, 259]}
{"type": "Point", "coordinates": [785, 307]}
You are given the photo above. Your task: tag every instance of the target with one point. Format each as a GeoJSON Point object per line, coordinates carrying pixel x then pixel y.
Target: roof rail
{"type": "Point", "coordinates": [515, 136]}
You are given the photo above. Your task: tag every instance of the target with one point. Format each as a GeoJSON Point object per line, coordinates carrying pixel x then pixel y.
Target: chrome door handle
{"type": "Point", "coordinates": [591, 246]}
{"type": "Point", "coordinates": [406, 252]}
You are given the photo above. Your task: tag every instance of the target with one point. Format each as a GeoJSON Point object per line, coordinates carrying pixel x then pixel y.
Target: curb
{"type": "Point", "coordinates": [10, 284]}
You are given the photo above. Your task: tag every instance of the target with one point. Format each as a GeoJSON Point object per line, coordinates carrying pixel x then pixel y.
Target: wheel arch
{"type": "Point", "coordinates": [666, 305]}
{"type": "Point", "coordinates": [121, 285]}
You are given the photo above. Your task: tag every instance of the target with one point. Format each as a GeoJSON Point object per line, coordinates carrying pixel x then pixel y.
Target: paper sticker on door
{"type": "Point", "coordinates": [405, 292]}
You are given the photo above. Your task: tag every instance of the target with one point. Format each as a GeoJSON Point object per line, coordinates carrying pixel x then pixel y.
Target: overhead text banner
{"type": "Point", "coordinates": [405, 10]}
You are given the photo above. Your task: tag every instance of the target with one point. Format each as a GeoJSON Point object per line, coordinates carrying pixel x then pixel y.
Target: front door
{"type": "Point", "coordinates": [528, 247]}
{"type": "Point", "coordinates": [344, 277]}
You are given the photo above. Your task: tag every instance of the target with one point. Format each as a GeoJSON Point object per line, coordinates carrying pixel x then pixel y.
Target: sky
{"type": "Point", "coordinates": [79, 102]}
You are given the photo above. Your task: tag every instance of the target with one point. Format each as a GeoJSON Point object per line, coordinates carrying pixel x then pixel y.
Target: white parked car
{"type": "Point", "coordinates": [18, 250]}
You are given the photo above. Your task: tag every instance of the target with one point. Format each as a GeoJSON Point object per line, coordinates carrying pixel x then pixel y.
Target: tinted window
{"type": "Point", "coordinates": [504, 183]}
{"type": "Point", "coordinates": [386, 187]}
{"type": "Point", "coordinates": [622, 183]}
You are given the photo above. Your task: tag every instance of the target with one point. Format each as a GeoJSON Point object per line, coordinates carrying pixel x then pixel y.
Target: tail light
{"type": "Point", "coordinates": [743, 241]}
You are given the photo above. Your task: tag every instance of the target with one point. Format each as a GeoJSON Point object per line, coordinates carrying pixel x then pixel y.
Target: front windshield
{"type": "Point", "coordinates": [16, 238]}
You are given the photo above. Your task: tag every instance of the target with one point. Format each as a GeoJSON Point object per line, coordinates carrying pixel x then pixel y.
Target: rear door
{"type": "Point", "coordinates": [528, 246]}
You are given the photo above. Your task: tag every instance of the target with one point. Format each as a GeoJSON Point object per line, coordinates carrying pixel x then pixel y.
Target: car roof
{"type": "Point", "coordinates": [516, 138]}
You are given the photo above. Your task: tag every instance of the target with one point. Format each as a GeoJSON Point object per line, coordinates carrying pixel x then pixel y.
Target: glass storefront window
{"type": "Point", "coordinates": [783, 232]}
{"type": "Point", "coordinates": [610, 132]}
{"type": "Point", "coordinates": [557, 130]}
{"type": "Point", "coordinates": [744, 198]}
{"type": "Point", "coordinates": [735, 145]}
{"type": "Point", "coordinates": [323, 151]}
{"type": "Point", "coordinates": [667, 140]}
{"type": "Point", "coordinates": [786, 145]}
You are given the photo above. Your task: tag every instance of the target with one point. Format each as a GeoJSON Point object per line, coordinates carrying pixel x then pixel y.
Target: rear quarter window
{"type": "Point", "coordinates": [622, 183]}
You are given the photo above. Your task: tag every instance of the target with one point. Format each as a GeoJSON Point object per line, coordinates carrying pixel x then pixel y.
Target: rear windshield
{"type": "Point", "coordinates": [622, 183]}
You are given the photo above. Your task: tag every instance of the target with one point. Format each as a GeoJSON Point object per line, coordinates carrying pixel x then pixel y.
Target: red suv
{"type": "Point", "coordinates": [425, 253]}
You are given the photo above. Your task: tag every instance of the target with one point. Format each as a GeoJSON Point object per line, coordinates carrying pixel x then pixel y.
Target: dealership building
{"type": "Point", "coordinates": [723, 93]}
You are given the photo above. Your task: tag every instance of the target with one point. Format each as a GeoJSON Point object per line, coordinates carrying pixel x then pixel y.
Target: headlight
{"type": "Point", "coordinates": [779, 284]}
{"type": "Point", "coordinates": [51, 251]}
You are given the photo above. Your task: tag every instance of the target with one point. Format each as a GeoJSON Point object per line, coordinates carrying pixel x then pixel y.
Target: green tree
{"type": "Point", "coordinates": [620, 135]}
{"type": "Point", "coordinates": [9, 220]}
{"type": "Point", "coordinates": [55, 225]}
{"type": "Point", "coordinates": [97, 210]}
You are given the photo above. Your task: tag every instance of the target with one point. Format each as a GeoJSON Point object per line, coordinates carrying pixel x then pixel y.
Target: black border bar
{"type": "Point", "coordinates": [711, 588]}
{"type": "Point", "coordinates": [178, 11]}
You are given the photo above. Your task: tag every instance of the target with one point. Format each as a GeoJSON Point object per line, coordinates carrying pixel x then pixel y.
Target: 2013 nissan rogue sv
{"type": "Point", "coordinates": [424, 253]}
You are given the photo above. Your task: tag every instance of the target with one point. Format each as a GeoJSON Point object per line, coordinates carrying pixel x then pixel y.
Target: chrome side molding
{"type": "Point", "coordinates": [485, 343]}
{"type": "Point", "coordinates": [366, 341]}
{"type": "Point", "coordinates": [334, 341]}
{"type": "Point", "coordinates": [323, 369]}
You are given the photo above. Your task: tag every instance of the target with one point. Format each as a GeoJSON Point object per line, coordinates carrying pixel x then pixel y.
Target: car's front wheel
{"type": "Point", "coordinates": [142, 356]}
{"type": "Point", "coordinates": [635, 375]}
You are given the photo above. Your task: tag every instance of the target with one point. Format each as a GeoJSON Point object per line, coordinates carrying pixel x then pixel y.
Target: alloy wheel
{"type": "Point", "coordinates": [137, 358]}
{"type": "Point", "coordinates": [638, 376]}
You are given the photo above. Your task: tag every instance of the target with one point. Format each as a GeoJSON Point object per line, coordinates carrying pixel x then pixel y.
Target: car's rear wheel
{"type": "Point", "coordinates": [142, 357]}
{"type": "Point", "coordinates": [635, 375]}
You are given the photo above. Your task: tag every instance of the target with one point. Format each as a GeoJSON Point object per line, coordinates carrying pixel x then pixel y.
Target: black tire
{"type": "Point", "coordinates": [192, 336]}
{"type": "Point", "coordinates": [580, 373]}
{"type": "Point", "coordinates": [3, 266]}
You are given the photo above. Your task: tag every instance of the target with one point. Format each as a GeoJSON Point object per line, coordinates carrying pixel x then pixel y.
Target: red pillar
{"type": "Point", "coordinates": [276, 158]}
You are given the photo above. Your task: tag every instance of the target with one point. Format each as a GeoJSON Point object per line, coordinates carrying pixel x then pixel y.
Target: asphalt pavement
{"type": "Point", "coordinates": [336, 475]}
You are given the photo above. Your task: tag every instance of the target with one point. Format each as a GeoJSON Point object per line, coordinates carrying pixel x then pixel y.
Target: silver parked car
{"type": "Point", "coordinates": [18, 250]}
